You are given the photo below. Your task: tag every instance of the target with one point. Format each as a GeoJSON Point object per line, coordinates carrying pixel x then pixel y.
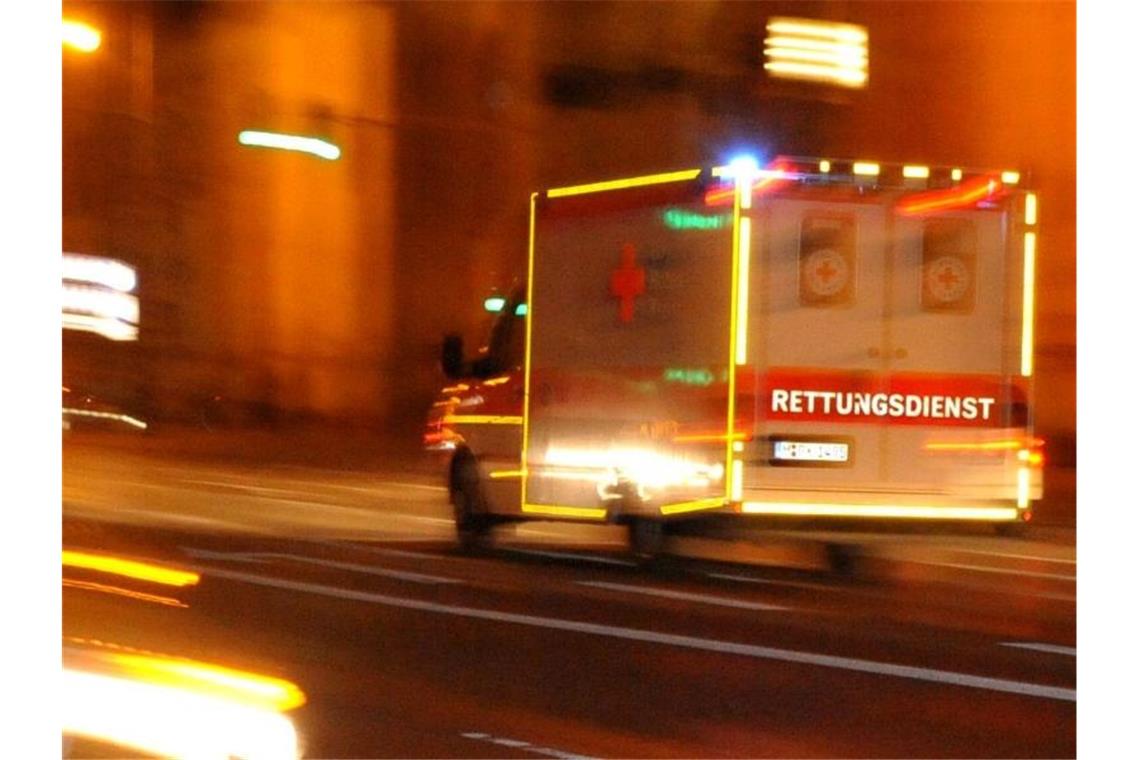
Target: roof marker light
{"type": "Point", "coordinates": [956, 175]}
{"type": "Point", "coordinates": [866, 169]}
{"type": "Point", "coordinates": [824, 167]}
{"type": "Point", "coordinates": [1010, 178]}
{"type": "Point", "coordinates": [916, 172]}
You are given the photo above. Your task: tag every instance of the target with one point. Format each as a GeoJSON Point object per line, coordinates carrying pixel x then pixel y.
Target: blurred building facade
{"type": "Point", "coordinates": [301, 286]}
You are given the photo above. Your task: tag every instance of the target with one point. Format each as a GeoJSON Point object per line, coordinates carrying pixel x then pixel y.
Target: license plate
{"type": "Point", "coordinates": [810, 451]}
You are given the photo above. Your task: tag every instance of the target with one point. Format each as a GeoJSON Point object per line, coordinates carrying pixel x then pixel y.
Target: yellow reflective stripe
{"type": "Point", "coordinates": [498, 474]}
{"type": "Point", "coordinates": [482, 419]}
{"type": "Point", "coordinates": [592, 513]}
{"type": "Point", "coordinates": [692, 506]}
{"type": "Point", "coordinates": [919, 511]}
{"type": "Point", "coordinates": [529, 321]}
{"type": "Point", "coordinates": [1027, 304]}
{"type": "Point", "coordinates": [618, 184]}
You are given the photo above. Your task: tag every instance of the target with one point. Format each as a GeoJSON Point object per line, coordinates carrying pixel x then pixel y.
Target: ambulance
{"type": "Point", "coordinates": [817, 338]}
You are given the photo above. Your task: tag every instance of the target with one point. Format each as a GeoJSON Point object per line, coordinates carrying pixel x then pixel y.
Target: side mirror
{"type": "Point", "coordinates": [451, 357]}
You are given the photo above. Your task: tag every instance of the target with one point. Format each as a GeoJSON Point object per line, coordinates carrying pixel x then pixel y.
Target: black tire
{"type": "Point", "coordinates": [646, 538]}
{"type": "Point", "coordinates": [1012, 529]}
{"type": "Point", "coordinates": [472, 522]}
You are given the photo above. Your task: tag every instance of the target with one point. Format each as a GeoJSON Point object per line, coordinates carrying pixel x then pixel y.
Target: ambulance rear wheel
{"type": "Point", "coordinates": [646, 538]}
{"type": "Point", "coordinates": [472, 523]}
{"type": "Point", "coordinates": [1017, 529]}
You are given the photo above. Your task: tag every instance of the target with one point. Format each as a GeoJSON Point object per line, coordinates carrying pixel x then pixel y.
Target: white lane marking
{"type": "Point", "coordinates": [384, 572]}
{"type": "Point", "coordinates": [670, 639]}
{"type": "Point", "coordinates": [571, 555]}
{"type": "Point", "coordinates": [397, 484]}
{"type": "Point", "coordinates": [99, 511]}
{"type": "Point", "coordinates": [767, 582]}
{"type": "Point", "coordinates": [1050, 648]}
{"type": "Point", "coordinates": [1001, 570]}
{"type": "Point", "coordinates": [668, 594]}
{"type": "Point", "coordinates": [527, 746]}
{"type": "Point", "coordinates": [387, 552]}
{"type": "Point", "coordinates": [1030, 557]}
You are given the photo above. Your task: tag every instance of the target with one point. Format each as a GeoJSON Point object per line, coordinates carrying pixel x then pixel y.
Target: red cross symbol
{"type": "Point", "coordinates": [948, 278]}
{"type": "Point", "coordinates": [627, 282]}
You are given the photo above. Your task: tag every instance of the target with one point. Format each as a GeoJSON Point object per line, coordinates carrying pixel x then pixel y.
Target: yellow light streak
{"type": "Point", "coordinates": [924, 512]}
{"type": "Point", "coordinates": [847, 58]}
{"type": "Point", "coordinates": [105, 416]}
{"type": "Point", "coordinates": [691, 506]}
{"type": "Point", "coordinates": [482, 419]}
{"type": "Point", "coordinates": [456, 388]}
{"type": "Point", "coordinates": [849, 51]}
{"type": "Point", "coordinates": [708, 437]}
{"type": "Point", "coordinates": [296, 143]}
{"type": "Point", "coordinates": [1027, 304]}
{"type": "Point", "coordinates": [80, 36]}
{"type": "Point", "coordinates": [108, 327]}
{"type": "Point", "coordinates": [99, 302]}
{"type": "Point", "coordinates": [497, 380]}
{"type": "Point", "coordinates": [589, 513]}
{"type": "Point", "coordinates": [865, 168]}
{"type": "Point", "coordinates": [916, 172]}
{"type": "Point", "coordinates": [745, 248]}
{"type": "Point", "coordinates": [98, 270]}
{"type": "Point", "coordinates": [1010, 178]}
{"type": "Point", "coordinates": [1031, 209]}
{"type": "Point", "coordinates": [812, 28]}
{"type": "Point", "coordinates": [117, 591]}
{"type": "Point", "coordinates": [251, 688]}
{"type": "Point", "coordinates": [1022, 487]}
{"type": "Point", "coordinates": [737, 480]}
{"type": "Point", "coordinates": [501, 474]}
{"type": "Point", "coordinates": [1005, 445]}
{"type": "Point", "coordinates": [618, 184]}
{"type": "Point", "coordinates": [171, 722]}
{"type": "Point", "coordinates": [816, 72]}
{"type": "Point", "coordinates": [129, 568]}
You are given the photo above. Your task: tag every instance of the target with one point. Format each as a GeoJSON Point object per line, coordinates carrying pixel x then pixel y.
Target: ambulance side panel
{"type": "Point", "coordinates": [628, 353]}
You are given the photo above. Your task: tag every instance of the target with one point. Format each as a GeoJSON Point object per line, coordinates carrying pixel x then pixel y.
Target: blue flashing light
{"type": "Point", "coordinates": [520, 310]}
{"type": "Point", "coordinates": [744, 165]}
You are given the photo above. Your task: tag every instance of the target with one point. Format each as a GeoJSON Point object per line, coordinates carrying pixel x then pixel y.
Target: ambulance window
{"type": "Point", "coordinates": [949, 254]}
{"type": "Point", "coordinates": [827, 260]}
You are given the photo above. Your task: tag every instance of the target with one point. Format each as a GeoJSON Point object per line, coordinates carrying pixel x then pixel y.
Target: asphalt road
{"type": "Point", "coordinates": [557, 644]}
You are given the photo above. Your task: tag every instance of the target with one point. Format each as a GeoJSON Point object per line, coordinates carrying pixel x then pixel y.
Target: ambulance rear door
{"type": "Point", "coordinates": [815, 324]}
{"type": "Point", "coordinates": [954, 319]}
